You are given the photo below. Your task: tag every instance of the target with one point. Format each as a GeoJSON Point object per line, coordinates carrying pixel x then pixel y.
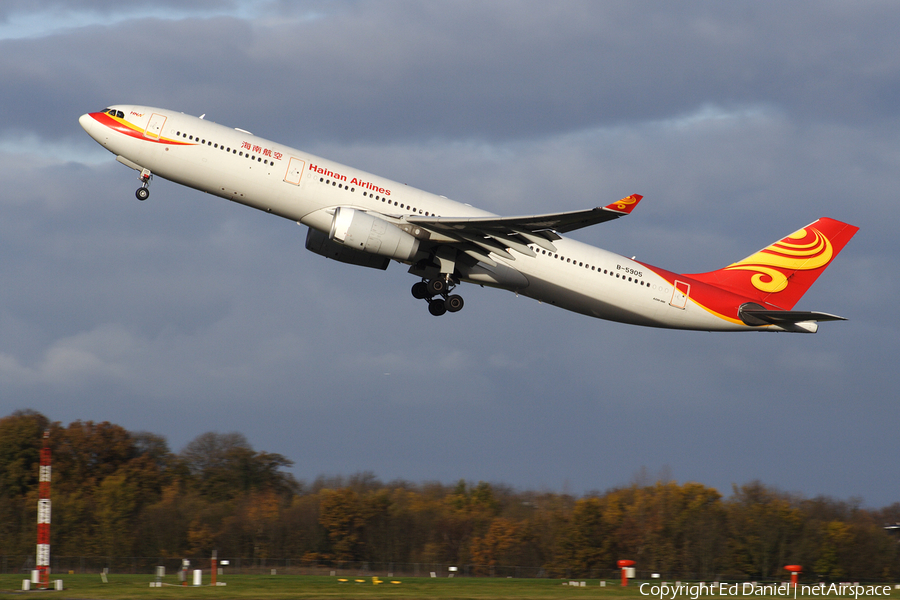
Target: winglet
{"type": "Point", "coordinates": [625, 205]}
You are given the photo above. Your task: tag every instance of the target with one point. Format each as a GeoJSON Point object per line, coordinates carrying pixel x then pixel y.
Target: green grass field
{"type": "Point", "coordinates": [266, 587]}
{"type": "Point", "coordinates": [302, 586]}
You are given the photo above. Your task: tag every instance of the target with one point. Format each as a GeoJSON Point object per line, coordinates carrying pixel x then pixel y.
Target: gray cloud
{"type": "Point", "coordinates": [401, 70]}
{"type": "Point", "coordinates": [739, 123]}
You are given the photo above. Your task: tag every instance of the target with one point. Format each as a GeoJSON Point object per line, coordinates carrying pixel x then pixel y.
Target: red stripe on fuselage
{"type": "Point", "coordinates": [124, 127]}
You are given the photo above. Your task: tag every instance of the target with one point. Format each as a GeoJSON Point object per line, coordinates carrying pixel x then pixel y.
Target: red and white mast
{"type": "Point", "coordinates": [43, 519]}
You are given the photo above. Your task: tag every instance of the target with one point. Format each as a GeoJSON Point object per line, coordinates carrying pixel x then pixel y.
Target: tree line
{"type": "Point", "coordinates": [126, 494]}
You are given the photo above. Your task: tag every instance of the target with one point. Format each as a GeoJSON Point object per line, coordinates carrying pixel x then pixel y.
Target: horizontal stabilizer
{"type": "Point", "coordinates": [757, 316]}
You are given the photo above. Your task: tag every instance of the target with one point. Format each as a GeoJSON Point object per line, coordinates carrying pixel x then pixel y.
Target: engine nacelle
{"type": "Point", "coordinates": [318, 242]}
{"type": "Point", "coordinates": [363, 232]}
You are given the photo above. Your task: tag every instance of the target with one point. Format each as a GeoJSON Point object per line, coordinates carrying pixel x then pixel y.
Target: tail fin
{"type": "Point", "coordinates": [781, 273]}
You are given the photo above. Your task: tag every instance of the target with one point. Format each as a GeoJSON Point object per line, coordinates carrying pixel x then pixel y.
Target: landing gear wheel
{"type": "Point", "coordinates": [420, 290]}
{"type": "Point", "coordinates": [436, 287]}
{"type": "Point", "coordinates": [437, 307]}
{"type": "Point", "coordinates": [143, 192]}
{"type": "Point", "coordinates": [454, 303]}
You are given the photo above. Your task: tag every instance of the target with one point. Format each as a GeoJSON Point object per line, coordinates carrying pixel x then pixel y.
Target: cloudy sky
{"type": "Point", "coordinates": [739, 122]}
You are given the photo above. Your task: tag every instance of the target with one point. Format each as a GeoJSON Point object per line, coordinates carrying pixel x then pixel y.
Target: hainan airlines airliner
{"type": "Point", "coordinates": [362, 219]}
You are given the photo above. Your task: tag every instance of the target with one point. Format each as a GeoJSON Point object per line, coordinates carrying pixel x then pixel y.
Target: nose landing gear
{"type": "Point", "coordinates": [143, 192]}
{"type": "Point", "coordinates": [436, 293]}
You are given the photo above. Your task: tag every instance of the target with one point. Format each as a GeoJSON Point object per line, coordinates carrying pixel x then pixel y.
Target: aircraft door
{"type": "Point", "coordinates": [294, 171]}
{"type": "Point", "coordinates": [155, 126]}
{"type": "Point", "coordinates": [680, 294]}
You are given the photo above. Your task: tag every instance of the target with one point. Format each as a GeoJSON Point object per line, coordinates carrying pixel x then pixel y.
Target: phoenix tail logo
{"type": "Point", "coordinates": [804, 250]}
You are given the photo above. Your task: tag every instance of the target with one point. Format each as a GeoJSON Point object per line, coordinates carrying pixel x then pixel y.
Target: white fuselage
{"type": "Point", "coordinates": [296, 185]}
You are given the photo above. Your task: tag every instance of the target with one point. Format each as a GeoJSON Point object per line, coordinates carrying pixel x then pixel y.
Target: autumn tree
{"type": "Point", "coordinates": [222, 466]}
{"type": "Point", "coordinates": [20, 451]}
{"type": "Point", "coordinates": [586, 541]}
{"type": "Point", "coordinates": [762, 525]}
{"type": "Point", "coordinates": [499, 545]}
{"type": "Point", "coordinates": [20, 446]}
{"type": "Point", "coordinates": [344, 514]}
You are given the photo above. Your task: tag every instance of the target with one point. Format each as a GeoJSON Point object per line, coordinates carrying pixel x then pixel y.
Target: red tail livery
{"type": "Point", "coordinates": [781, 273]}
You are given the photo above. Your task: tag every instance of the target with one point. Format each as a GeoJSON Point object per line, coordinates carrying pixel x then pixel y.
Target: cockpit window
{"type": "Point", "coordinates": [120, 114]}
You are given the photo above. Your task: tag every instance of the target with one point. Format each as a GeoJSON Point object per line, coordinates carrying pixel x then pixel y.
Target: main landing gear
{"type": "Point", "coordinates": [437, 293]}
{"type": "Point", "coordinates": [143, 192]}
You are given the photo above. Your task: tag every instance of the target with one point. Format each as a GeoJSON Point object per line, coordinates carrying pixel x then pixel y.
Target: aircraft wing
{"type": "Point", "coordinates": [483, 235]}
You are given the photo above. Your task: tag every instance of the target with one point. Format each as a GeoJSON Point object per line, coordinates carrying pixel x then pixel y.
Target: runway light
{"type": "Point", "coordinates": [627, 567]}
{"type": "Point", "coordinates": [795, 572]}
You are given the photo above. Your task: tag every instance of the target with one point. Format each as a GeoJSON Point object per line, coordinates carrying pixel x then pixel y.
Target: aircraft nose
{"type": "Point", "coordinates": [86, 121]}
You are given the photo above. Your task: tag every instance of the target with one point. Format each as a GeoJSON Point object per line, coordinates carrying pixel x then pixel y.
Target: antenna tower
{"type": "Point", "coordinates": [43, 520]}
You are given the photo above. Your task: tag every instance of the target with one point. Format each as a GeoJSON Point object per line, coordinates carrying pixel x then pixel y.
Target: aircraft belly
{"type": "Point", "coordinates": [501, 276]}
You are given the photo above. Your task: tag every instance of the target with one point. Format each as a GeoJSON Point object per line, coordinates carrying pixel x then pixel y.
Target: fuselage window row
{"type": "Point", "coordinates": [592, 267]}
{"type": "Point", "coordinates": [222, 147]}
{"type": "Point", "coordinates": [339, 185]}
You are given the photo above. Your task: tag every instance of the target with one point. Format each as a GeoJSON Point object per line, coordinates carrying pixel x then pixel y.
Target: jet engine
{"type": "Point", "coordinates": [318, 242]}
{"type": "Point", "coordinates": [363, 232]}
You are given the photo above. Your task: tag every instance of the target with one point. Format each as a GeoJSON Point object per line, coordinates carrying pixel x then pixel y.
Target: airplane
{"type": "Point", "coordinates": [361, 219]}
